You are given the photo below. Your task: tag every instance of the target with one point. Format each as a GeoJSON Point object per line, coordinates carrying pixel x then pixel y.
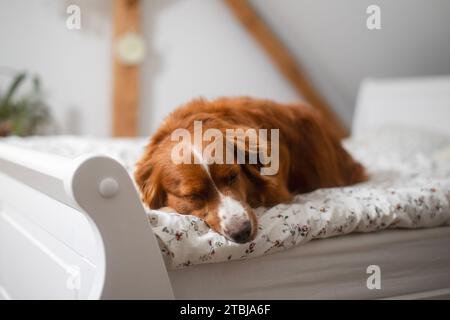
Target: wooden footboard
{"type": "Point", "coordinates": [74, 229]}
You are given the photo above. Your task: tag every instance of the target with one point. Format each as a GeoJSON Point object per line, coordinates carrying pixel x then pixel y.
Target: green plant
{"type": "Point", "coordinates": [23, 115]}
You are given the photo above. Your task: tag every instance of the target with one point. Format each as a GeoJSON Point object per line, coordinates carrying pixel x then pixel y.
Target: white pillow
{"type": "Point", "coordinates": [415, 102]}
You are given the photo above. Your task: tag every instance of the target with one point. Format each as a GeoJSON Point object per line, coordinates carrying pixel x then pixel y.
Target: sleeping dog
{"type": "Point", "coordinates": [193, 178]}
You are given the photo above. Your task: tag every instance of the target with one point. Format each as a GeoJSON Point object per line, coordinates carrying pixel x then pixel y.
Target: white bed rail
{"type": "Point", "coordinates": [128, 261]}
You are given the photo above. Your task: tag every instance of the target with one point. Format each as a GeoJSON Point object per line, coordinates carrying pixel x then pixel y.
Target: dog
{"type": "Point", "coordinates": [310, 156]}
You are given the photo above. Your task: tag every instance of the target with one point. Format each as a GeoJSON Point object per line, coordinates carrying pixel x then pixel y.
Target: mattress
{"type": "Point", "coordinates": [412, 264]}
{"type": "Point", "coordinates": [409, 188]}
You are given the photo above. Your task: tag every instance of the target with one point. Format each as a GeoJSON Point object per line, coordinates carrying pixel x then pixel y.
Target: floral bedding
{"type": "Point", "coordinates": [409, 188]}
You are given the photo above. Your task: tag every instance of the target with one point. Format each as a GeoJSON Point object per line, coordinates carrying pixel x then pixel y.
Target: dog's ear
{"type": "Point", "coordinates": [265, 189]}
{"type": "Point", "coordinates": [148, 179]}
{"type": "Point", "coordinates": [246, 143]}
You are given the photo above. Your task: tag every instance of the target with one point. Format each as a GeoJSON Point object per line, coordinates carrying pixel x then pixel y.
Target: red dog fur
{"type": "Point", "coordinates": [311, 157]}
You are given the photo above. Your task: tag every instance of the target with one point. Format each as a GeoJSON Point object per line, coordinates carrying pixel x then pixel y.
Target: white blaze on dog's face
{"type": "Point", "coordinates": [234, 219]}
{"type": "Point", "coordinates": [234, 216]}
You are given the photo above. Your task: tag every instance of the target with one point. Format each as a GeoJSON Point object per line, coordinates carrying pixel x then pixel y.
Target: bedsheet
{"type": "Point", "coordinates": [409, 187]}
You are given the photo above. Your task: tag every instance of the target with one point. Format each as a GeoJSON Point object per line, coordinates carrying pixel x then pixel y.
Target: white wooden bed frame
{"type": "Point", "coordinates": [40, 193]}
{"type": "Point", "coordinates": [128, 261]}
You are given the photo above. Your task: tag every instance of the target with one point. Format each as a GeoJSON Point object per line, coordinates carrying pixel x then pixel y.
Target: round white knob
{"type": "Point", "coordinates": [108, 187]}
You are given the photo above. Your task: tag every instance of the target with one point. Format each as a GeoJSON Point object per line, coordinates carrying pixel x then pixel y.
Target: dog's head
{"type": "Point", "coordinates": [219, 192]}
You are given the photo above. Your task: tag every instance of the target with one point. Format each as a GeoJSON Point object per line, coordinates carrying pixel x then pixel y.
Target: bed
{"type": "Point", "coordinates": [72, 225]}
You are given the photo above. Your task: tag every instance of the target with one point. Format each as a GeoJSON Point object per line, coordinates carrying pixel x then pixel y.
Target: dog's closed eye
{"type": "Point", "coordinates": [231, 179]}
{"type": "Point", "coordinates": [195, 197]}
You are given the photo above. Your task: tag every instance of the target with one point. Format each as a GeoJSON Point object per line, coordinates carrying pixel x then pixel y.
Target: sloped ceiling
{"type": "Point", "coordinates": [331, 41]}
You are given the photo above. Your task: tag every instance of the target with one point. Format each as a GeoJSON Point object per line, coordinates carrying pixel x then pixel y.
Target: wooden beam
{"type": "Point", "coordinates": [126, 77]}
{"type": "Point", "coordinates": [283, 60]}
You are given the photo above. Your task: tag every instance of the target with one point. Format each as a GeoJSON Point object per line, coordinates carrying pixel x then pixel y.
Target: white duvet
{"type": "Point", "coordinates": [409, 188]}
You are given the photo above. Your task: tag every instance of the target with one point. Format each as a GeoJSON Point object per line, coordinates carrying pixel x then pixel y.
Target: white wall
{"type": "Point", "coordinates": [198, 49]}
{"type": "Point", "coordinates": [75, 66]}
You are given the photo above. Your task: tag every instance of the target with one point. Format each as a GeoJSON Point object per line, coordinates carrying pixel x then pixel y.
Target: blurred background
{"type": "Point", "coordinates": [199, 48]}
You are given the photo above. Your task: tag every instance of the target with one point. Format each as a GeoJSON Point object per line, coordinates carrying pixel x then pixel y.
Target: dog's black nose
{"type": "Point", "coordinates": [243, 234]}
